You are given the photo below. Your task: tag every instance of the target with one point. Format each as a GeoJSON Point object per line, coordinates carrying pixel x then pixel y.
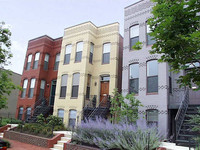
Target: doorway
{"type": "Point", "coordinates": [104, 92]}
{"type": "Point", "coordinates": [53, 91]}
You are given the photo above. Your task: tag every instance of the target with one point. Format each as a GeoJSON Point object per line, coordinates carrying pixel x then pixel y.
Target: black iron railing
{"type": "Point", "coordinates": [181, 113]}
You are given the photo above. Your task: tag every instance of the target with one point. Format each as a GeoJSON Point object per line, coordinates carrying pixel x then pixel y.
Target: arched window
{"type": "Point", "coordinates": [150, 40]}
{"type": "Point", "coordinates": [79, 49]}
{"type": "Point", "coordinates": [75, 85]}
{"type": "Point", "coordinates": [23, 94]}
{"type": "Point", "coordinates": [31, 89]}
{"type": "Point", "coordinates": [72, 118]}
{"type": "Point", "coordinates": [68, 50]}
{"type": "Point", "coordinates": [134, 35]}
{"type": "Point", "coordinates": [134, 78]}
{"type": "Point", "coordinates": [152, 117]}
{"type": "Point", "coordinates": [21, 109]}
{"type": "Point", "coordinates": [63, 87]}
{"type": "Point", "coordinates": [37, 57]}
{"type": "Point", "coordinates": [28, 112]}
{"type": "Point", "coordinates": [28, 65]}
{"type": "Point", "coordinates": [152, 76]}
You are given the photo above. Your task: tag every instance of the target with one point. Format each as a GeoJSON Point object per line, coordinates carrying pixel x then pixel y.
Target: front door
{"type": "Point", "coordinates": [53, 91]}
{"type": "Point", "coordinates": [104, 92]}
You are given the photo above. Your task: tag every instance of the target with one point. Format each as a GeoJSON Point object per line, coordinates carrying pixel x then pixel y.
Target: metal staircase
{"type": "Point", "coordinates": [40, 107]}
{"type": "Point", "coordinates": [184, 134]}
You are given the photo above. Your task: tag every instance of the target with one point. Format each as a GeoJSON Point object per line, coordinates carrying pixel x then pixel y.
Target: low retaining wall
{"type": "Point", "coordinates": [4, 128]}
{"type": "Point", "coordinates": [31, 139]}
{"type": "Point", "coordinates": [78, 147]}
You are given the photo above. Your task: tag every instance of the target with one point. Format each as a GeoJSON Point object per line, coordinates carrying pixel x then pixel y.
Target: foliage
{"type": "Point", "coordinates": [6, 85]}
{"type": "Point", "coordinates": [53, 121]}
{"type": "Point", "coordinates": [126, 136]}
{"type": "Point", "coordinates": [175, 28]}
{"type": "Point", "coordinates": [41, 119]}
{"type": "Point", "coordinates": [124, 108]}
{"type": "Point", "coordinates": [7, 143]}
{"type": "Point", "coordinates": [137, 46]}
{"type": "Point", "coordinates": [195, 119]}
{"type": "Point", "coordinates": [5, 121]}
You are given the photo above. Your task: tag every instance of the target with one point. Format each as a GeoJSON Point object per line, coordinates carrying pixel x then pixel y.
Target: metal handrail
{"type": "Point", "coordinates": [105, 98]}
{"type": "Point", "coordinates": [181, 112]}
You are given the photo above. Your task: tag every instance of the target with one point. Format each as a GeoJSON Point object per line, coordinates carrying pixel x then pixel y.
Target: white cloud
{"type": "Point", "coordinates": [17, 61]}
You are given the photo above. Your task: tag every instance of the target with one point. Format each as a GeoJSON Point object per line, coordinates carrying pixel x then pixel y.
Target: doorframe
{"type": "Point", "coordinates": [51, 92]}
{"type": "Point", "coordinates": [101, 80]}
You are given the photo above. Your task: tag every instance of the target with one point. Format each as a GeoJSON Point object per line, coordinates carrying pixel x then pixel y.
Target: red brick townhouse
{"type": "Point", "coordinates": [39, 75]}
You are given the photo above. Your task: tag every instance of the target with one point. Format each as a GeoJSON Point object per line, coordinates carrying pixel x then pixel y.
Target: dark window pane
{"type": "Point", "coordinates": [31, 90]}
{"type": "Point", "coordinates": [106, 58]}
{"type": "Point", "coordinates": [75, 91]}
{"type": "Point", "coordinates": [133, 41]}
{"type": "Point", "coordinates": [170, 85]}
{"type": "Point", "coordinates": [28, 66]}
{"type": "Point", "coordinates": [78, 56]}
{"type": "Point", "coordinates": [67, 59]}
{"type": "Point", "coordinates": [23, 93]}
{"type": "Point", "coordinates": [56, 65]}
{"type": "Point", "coordinates": [91, 58]}
{"type": "Point", "coordinates": [88, 92]}
{"type": "Point", "coordinates": [152, 117]}
{"type": "Point", "coordinates": [41, 93]}
{"type": "Point", "coordinates": [150, 40]}
{"type": "Point", "coordinates": [105, 78]}
{"type": "Point", "coordinates": [133, 85]}
{"type": "Point", "coordinates": [63, 91]}
{"type": "Point", "coordinates": [72, 122]}
{"type": "Point", "coordinates": [35, 65]}
{"type": "Point", "coordinates": [21, 109]}
{"type": "Point", "coordinates": [46, 65]}
{"type": "Point", "coordinates": [152, 84]}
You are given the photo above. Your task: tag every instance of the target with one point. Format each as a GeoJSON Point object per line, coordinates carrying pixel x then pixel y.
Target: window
{"type": "Point", "coordinates": [170, 80]}
{"type": "Point", "coordinates": [91, 52]}
{"type": "Point", "coordinates": [152, 76]}
{"type": "Point", "coordinates": [152, 117]}
{"type": "Point", "coordinates": [68, 50]}
{"type": "Point", "coordinates": [88, 87]}
{"type": "Point", "coordinates": [75, 85]}
{"type": "Point", "coordinates": [105, 78]}
{"type": "Point", "coordinates": [134, 35]}
{"type": "Point", "coordinates": [21, 109]}
{"type": "Point", "coordinates": [31, 90]}
{"type": "Point", "coordinates": [46, 61]}
{"type": "Point", "coordinates": [28, 65]}
{"type": "Point", "coordinates": [61, 113]}
{"type": "Point", "coordinates": [72, 118]}
{"type": "Point", "coordinates": [63, 85]}
{"type": "Point", "coordinates": [24, 88]}
{"type": "Point", "coordinates": [42, 87]}
{"type": "Point", "coordinates": [79, 49]}
{"type": "Point", "coordinates": [28, 113]}
{"type": "Point", "coordinates": [150, 40]}
{"type": "Point", "coordinates": [37, 57]}
{"type": "Point", "coordinates": [106, 53]}
{"type": "Point", "coordinates": [134, 78]}
{"type": "Point", "coordinates": [57, 61]}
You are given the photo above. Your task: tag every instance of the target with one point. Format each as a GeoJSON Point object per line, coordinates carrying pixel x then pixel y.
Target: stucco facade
{"type": "Point", "coordinates": [88, 33]}
{"type": "Point", "coordinates": [138, 14]}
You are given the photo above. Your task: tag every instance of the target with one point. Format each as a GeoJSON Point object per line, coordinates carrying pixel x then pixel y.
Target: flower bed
{"type": "Point", "coordinates": [31, 139]}
{"type": "Point", "coordinates": [68, 146]}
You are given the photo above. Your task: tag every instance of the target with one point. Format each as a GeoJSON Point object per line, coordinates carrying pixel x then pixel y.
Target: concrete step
{"type": "Point", "coordinates": [58, 146]}
{"type": "Point", "coordinates": [54, 149]}
{"type": "Point", "coordinates": [1, 135]}
{"type": "Point", "coordinates": [61, 142]}
{"type": "Point", "coordinates": [65, 138]}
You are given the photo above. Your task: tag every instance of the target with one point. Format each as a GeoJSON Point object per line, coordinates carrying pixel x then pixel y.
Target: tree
{"type": "Point", "coordinates": [175, 27]}
{"type": "Point", "coordinates": [6, 84]}
{"type": "Point", "coordinates": [124, 108]}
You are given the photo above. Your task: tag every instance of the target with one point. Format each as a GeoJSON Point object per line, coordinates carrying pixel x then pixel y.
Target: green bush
{"type": "Point", "coordinates": [7, 143]}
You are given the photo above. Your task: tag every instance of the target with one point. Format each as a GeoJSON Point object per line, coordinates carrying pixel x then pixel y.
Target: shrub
{"type": "Point", "coordinates": [7, 143]}
{"type": "Point", "coordinates": [126, 136]}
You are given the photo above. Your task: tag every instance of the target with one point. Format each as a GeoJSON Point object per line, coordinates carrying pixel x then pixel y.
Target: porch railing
{"type": "Point", "coordinates": [181, 113]}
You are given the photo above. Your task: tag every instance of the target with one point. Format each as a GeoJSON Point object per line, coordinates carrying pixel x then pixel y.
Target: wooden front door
{"type": "Point", "coordinates": [104, 92]}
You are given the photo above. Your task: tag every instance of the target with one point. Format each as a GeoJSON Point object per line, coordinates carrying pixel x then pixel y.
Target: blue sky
{"type": "Point", "coordinates": [33, 18]}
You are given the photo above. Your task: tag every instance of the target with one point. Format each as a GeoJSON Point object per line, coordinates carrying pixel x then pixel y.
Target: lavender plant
{"type": "Point", "coordinates": [125, 136]}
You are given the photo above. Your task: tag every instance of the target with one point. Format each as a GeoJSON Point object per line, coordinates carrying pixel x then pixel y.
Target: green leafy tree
{"type": "Point", "coordinates": [175, 27]}
{"type": "Point", "coordinates": [124, 108]}
{"type": "Point", "coordinates": [6, 84]}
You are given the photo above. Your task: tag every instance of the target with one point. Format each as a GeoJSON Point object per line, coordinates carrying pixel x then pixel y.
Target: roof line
{"type": "Point", "coordinates": [133, 4]}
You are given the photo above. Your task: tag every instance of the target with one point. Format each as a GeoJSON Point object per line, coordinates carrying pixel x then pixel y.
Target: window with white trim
{"type": "Point", "coordinates": [23, 94]}
{"type": "Point", "coordinates": [28, 112]}
{"type": "Point", "coordinates": [79, 49]}
{"type": "Point", "coordinates": [150, 40]}
{"type": "Point", "coordinates": [28, 65]}
{"type": "Point", "coordinates": [152, 76]}
{"type": "Point", "coordinates": [37, 57]}
{"type": "Point", "coordinates": [106, 53]}
{"type": "Point", "coordinates": [57, 61]}
{"type": "Point", "coordinates": [75, 85]}
{"type": "Point", "coordinates": [134, 78]}
{"type": "Point", "coordinates": [31, 89]}
{"type": "Point", "coordinates": [91, 52]}
{"type": "Point", "coordinates": [61, 114]}
{"type": "Point", "coordinates": [46, 61]}
{"type": "Point", "coordinates": [134, 35]}
{"type": "Point", "coordinates": [68, 50]}
{"type": "Point", "coordinates": [88, 86]}
{"type": "Point", "coordinates": [63, 87]}
{"type": "Point", "coordinates": [152, 117]}
{"type": "Point", "coordinates": [72, 118]}
{"type": "Point", "coordinates": [42, 88]}
{"type": "Point", "coordinates": [21, 109]}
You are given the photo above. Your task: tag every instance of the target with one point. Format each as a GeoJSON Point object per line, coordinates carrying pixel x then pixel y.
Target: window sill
{"type": "Point", "coordinates": [66, 64]}
{"type": "Point", "coordinates": [61, 97]}
{"type": "Point", "coordinates": [154, 93]}
{"type": "Point", "coordinates": [73, 97]}
{"type": "Point", "coordinates": [77, 61]}
{"type": "Point", "coordinates": [105, 63]}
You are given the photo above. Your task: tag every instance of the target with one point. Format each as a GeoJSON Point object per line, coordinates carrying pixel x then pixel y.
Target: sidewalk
{"type": "Point", "coordinates": [15, 145]}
